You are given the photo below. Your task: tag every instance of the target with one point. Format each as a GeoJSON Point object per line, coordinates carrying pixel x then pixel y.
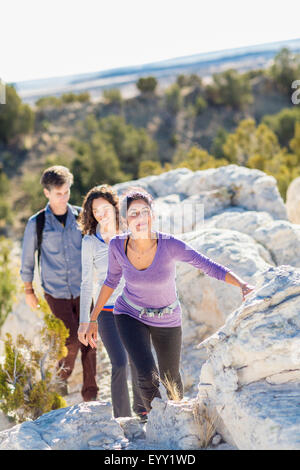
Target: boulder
{"type": "Point", "coordinates": [293, 201]}
{"type": "Point", "coordinates": [252, 376]}
{"type": "Point", "coordinates": [173, 425]}
{"type": "Point", "coordinates": [80, 427]}
{"type": "Point", "coordinates": [282, 239]}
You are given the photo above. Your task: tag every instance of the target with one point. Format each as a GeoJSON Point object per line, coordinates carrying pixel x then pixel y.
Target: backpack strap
{"type": "Point", "coordinates": [40, 222]}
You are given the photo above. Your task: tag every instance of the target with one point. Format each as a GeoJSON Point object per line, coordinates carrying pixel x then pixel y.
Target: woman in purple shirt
{"type": "Point", "coordinates": [148, 308]}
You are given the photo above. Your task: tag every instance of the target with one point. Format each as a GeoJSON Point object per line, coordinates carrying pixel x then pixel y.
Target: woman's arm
{"type": "Point", "coordinates": [86, 287]}
{"type": "Point", "coordinates": [233, 279]}
{"type": "Point", "coordinates": [182, 251]}
{"type": "Point", "coordinates": [114, 274]}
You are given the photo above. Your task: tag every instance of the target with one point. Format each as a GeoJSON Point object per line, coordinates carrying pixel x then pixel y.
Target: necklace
{"type": "Point", "coordinates": [139, 254]}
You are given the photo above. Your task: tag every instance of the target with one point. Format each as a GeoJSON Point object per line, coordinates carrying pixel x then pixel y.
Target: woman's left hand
{"type": "Point", "coordinates": [246, 289]}
{"type": "Point", "coordinates": [81, 333]}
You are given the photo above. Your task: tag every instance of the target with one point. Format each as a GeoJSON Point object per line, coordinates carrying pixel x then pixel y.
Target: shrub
{"type": "Point", "coordinates": [8, 275]}
{"type": "Point", "coordinates": [112, 96]}
{"type": "Point", "coordinates": [16, 118]}
{"type": "Point", "coordinates": [174, 100]}
{"type": "Point", "coordinates": [29, 377]}
{"type": "Point", "coordinates": [147, 84]}
{"type": "Point", "coordinates": [231, 89]}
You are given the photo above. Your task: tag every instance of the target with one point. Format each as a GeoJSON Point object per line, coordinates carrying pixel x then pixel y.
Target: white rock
{"type": "Point", "coordinates": [293, 201]}
{"type": "Point", "coordinates": [259, 342]}
{"type": "Point", "coordinates": [79, 427]}
{"type": "Point", "coordinates": [236, 218]}
{"type": "Point", "coordinates": [282, 239]}
{"type": "Point", "coordinates": [172, 425]}
{"type": "Point", "coordinates": [207, 301]}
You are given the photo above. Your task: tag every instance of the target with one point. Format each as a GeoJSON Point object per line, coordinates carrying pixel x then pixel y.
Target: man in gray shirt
{"type": "Point", "coordinates": [60, 268]}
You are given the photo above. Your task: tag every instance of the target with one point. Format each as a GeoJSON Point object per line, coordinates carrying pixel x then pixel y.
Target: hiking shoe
{"type": "Point", "coordinates": [143, 416]}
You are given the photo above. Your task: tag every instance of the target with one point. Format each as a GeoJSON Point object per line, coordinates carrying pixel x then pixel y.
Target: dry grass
{"type": "Point", "coordinates": [171, 387]}
{"type": "Point", "coordinates": [207, 421]}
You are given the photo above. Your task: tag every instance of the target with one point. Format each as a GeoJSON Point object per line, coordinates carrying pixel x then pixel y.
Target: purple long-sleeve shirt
{"type": "Point", "coordinates": [155, 286]}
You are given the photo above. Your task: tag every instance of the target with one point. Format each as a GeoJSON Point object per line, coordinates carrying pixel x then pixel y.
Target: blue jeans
{"type": "Point", "coordinates": [117, 354]}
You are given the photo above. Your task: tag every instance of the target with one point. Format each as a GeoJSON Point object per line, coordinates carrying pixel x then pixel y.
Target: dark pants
{"type": "Point", "coordinates": [67, 310]}
{"type": "Point", "coordinates": [137, 337]}
{"type": "Point", "coordinates": [117, 354]}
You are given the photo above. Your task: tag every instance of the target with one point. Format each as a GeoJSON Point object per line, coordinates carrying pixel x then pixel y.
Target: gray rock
{"type": "Point", "coordinates": [252, 376]}
{"type": "Point", "coordinates": [79, 427]}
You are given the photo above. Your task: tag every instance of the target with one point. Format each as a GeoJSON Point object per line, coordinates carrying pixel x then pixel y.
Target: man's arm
{"type": "Point", "coordinates": [29, 248]}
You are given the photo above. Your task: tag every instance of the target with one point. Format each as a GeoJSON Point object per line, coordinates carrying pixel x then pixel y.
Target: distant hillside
{"type": "Point", "coordinates": [242, 59]}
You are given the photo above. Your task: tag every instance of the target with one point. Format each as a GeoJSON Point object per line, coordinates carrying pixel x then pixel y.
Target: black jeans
{"type": "Point", "coordinates": [117, 354]}
{"type": "Point", "coordinates": [137, 337]}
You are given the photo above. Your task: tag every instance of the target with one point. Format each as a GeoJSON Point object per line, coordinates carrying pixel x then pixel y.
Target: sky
{"type": "Point", "coordinates": [43, 39]}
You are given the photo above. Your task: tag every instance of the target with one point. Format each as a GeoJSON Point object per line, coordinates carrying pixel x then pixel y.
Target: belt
{"type": "Point", "coordinates": [151, 312]}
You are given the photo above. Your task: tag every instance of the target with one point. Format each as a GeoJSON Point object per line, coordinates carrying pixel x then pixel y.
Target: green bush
{"type": "Point", "coordinates": [5, 205]}
{"type": "Point", "coordinates": [148, 168]}
{"type": "Point", "coordinates": [199, 159]}
{"type": "Point", "coordinates": [200, 105]}
{"type": "Point", "coordinates": [192, 80]}
{"type": "Point", "coordinates": [174, 99]}
{"type": "Point", "coordinates": [51, 101]}
{"type": "Point", "coordinates": [285, 69]}
{"type": "Point", "coordinates": [16, 118]}
{"type": "Point", "coordinates": [230, 88]}
{"type": "Point", "coordinates": [112, 96]}
{"type": "Point", "coordinates": [29, 380]}
{"type": "Point", "coordinates": [8, 275]}
{"type": "Point", "coordinates": [75, 97]}
{"type": "Point", "coordinates": [283, 123]}
{"type": "Point", "coordinates": [147, 84]}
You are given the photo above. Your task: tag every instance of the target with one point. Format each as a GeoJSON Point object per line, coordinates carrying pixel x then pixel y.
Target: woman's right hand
{"type": "Point", "coordinates": [81, 333]}
{"type": "Point", "coordinates": [92, 334]}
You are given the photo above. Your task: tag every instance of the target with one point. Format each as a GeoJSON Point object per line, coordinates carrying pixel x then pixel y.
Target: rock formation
{"type": "Point", "coordinates": [252, 377]}
{"type": "Point", "coordinates": [249, 358]}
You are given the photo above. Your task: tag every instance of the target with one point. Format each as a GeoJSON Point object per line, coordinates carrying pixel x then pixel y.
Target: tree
{"type": "Point", "coordinates": [199, 159]}
{"type": "Point", "coordinates": [230, 88]}
{"type": "Point", "coordinates": [29, 378]}
{"type": "Point", "coordinates": [192, 80]}
{"type": "Point", "coordinates": [249, 140]}
{"type": "Point", "coordinates": [8, 274]}
{"type": "Point", "coordinates": [174, 100]}
{"type": "Point", "coordinates": [147, 85]}
{"type": "Point", "coordinates": [285, 69]}
{"type": "Point", "coordinates": [283, 124]}
{"type": "Point", "coordinates": [95, 164]}
{"type": "Point", "coordinates": [130, 144]}
{"type": "Point", "coordinates": [73, 97]}
{"type": "Point", "coordinates": [5, 205]}
{"type": "Point", "coordinates": [148, 167]}
{"type": "Point", "coordinates": [16, 118]}
{"type": "Point", "coordinates": [112, 96]}
{"type": "Point", "coordinates": [219, 140]}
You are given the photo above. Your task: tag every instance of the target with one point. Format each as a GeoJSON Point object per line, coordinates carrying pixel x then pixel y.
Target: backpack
{"type": "Point", "coordinates": [40, 223]}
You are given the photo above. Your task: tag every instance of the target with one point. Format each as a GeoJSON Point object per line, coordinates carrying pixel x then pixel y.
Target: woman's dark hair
{"type": "Point", "coordinates": [86, 220]}
{"type": "Point", "coordinates": [134, 194]}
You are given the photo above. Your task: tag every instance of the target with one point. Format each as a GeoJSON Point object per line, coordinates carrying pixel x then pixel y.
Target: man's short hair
{"type": "Point", "coordinates": [56, 175]}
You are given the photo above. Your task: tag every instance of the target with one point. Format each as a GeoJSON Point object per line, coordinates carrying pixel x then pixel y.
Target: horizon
{"type": "Point", "coordinates": [49, 40]}
{"type": "Point", "coordinates": [169, 59]}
